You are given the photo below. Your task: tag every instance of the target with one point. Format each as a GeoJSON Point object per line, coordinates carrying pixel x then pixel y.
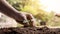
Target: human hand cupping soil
{"type": "Point", "coordinates": [22, 18]}
{"type": "Point", "coordinates": [26, 19]}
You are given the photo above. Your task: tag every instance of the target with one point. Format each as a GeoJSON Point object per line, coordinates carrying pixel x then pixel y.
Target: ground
{"type": "Point", "coordinates": [30, 30]}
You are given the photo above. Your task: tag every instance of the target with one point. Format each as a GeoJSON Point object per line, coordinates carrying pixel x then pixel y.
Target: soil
{"type": "Point", "coordinates": [30, 30]}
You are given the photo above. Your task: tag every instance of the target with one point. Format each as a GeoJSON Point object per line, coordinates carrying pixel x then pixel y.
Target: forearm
{"type": "Point", "coordinates": [8, 9]}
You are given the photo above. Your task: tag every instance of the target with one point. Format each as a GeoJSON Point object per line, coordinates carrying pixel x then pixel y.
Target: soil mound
{"type": "Point", "coordinates": [30, 30]}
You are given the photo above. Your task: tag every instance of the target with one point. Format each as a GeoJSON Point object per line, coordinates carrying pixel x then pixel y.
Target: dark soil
{"type": "Point", "coordinates": [30, 30]}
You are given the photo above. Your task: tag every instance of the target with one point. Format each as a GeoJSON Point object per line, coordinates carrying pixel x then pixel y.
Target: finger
{"type": "Point", "coordinates": [29, 16]}
{"type": "Point", "coordinates": [31, 19]}
{"type": "Point", "coordinates": [23, 20]}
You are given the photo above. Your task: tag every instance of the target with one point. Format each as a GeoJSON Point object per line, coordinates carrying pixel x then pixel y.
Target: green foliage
{"type": "Point", "coordinates": [25, 5]}
{"type": "Point", "coordinates": [33, 7]}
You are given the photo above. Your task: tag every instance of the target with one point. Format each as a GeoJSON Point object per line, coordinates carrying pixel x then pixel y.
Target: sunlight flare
{"type": "Point", "coordinates": [50, 5]}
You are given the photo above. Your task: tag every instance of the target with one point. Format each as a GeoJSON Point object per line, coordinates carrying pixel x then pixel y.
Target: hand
{"type": "Point", "coordinates": [23, 18]}
{"type": "Point", "coordinates": [26, 19]}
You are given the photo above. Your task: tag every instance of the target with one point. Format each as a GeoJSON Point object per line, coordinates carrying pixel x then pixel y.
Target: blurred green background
{"type": "Point", "coordinates": [33, 7]}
